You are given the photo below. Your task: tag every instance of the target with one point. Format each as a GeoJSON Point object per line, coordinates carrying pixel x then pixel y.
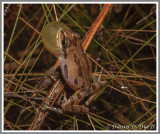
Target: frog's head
{"type": "Point", "coordinates": [68, 40]}
{"type": "Point", "coordinates": [52, 37]}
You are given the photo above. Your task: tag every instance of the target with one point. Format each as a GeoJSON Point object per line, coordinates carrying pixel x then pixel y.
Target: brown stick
{"type": "Point", "coordinates": [91, 32]}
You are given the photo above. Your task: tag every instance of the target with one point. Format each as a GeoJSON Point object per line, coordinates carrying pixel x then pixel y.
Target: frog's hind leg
{"type": "Point", "coordinates": [95, 90]}
{"type": "Point", "coordinates": [71, 105]}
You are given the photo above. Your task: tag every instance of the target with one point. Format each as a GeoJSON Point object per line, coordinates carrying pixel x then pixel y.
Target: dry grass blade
{"type": "Point", "coordinates": [42, 111]}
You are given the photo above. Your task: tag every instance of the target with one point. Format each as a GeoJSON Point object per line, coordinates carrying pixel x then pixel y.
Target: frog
{"type": "Point", "coordinates": [74, 63]}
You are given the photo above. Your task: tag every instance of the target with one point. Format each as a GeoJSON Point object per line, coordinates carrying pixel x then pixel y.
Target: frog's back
{"type": "Point", "coordinates": [75, 66]}
{"type": "Point", "coordinates": [77, 71]}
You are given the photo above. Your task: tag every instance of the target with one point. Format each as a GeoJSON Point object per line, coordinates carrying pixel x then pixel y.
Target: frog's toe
{"type": "Point", "coordinates": [46, 81]}
{"type": "Point", "coordinates": [75, 109]}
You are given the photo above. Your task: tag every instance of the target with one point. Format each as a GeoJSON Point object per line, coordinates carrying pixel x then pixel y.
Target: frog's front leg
{"type": "Point", "coordinates": [71, 105]}
{"type": "Point", "coordinates": [95, 90]}
{"type": "Point", "coordinates": [47, 80]}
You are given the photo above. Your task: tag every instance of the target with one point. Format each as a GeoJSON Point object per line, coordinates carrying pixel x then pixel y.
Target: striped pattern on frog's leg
{"type": "Point", "coordinates": [71, 105]}
{"type": "Point", "coordinates": [95, 90]}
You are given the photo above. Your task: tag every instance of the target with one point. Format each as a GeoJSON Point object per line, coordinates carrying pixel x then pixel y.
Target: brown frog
{"type": "Point", "coordinates": [75, 65]}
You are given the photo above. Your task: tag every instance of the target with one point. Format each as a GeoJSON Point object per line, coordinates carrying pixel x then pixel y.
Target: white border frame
{"type": "Point", "coordinates": [68, 131]}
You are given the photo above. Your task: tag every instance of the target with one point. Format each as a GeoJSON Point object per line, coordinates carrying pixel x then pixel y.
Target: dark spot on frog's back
{"type": "Point", "coordinates": [75, 41]}
{"type": "Point", "coordinates": [75, 81]}
{"type": "Point", "coordinates": [78, 64]}
{"type": "Point", "coordinates": [66, 71]}
{"type": "Point", "coordinates": [83, 85]}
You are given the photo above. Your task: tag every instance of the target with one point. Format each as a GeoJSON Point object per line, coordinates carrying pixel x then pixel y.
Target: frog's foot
{"type": "Point", "coordinates": [46, 81]}
{"type": "Point", "coordinates": [50, 75]}
{"type": "Point", "coordinates": [78, 109]}
{"type": "Point", "coordinates": [99, 78]}
{"type": "Point", "coordinates": [71, 105]}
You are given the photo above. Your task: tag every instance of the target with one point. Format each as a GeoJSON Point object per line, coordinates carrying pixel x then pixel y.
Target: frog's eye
{"type": "Point", "coordinates": [65, 43]}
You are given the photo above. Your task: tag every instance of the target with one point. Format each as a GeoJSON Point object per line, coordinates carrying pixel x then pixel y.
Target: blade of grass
{"type": "Point", "coordinates": [14, 28]}
{"type": "Point", "coordinates": [128, 62]}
